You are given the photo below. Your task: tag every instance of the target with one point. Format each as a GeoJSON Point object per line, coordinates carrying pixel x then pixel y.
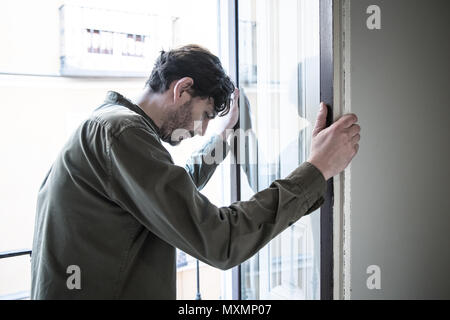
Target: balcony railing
{"type": "Point", "coordinates": [14, 253]}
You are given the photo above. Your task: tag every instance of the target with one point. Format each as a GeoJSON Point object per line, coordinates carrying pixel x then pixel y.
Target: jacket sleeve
{"type": "Point", "coordinates": [202, 163]}
{"type": "Point", "coordinates": [163, 197]}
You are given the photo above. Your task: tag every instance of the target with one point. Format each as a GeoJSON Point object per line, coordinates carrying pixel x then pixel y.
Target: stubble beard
{"type": "Point", "coordinates": [180, 119]}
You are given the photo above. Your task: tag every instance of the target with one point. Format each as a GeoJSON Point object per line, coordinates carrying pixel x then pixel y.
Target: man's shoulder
{"type": "Point", "coordinates": [118, 118]}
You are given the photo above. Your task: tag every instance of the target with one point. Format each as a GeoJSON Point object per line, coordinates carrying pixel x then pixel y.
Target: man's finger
{"type": "Point", "coordinates": [321, 121]}
{"type": "Point", "coordinates": [235, 95]}
{"type": "Point", "coordinates": [354, 130]}
{"type": "Point", "coordinates": [356, 139]}
{"type": "Point", "coordinates": [346, 121]}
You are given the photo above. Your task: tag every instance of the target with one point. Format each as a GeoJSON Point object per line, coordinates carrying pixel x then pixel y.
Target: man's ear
{"type": "Point", "coordinates": [181, 88]}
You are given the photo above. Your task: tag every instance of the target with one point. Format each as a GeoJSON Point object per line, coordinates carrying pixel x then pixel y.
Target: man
{"type": "Point", "coordinates": [114, 207]}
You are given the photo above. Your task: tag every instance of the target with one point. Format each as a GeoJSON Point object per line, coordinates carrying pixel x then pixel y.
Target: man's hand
{"type": "Point", "coordinates": [334, 147]}
{"type": "Point", "coordinates": [223, 125]}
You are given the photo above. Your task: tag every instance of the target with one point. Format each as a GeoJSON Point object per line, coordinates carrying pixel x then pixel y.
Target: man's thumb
{"type": "Point", "coordinates": [321, 121]}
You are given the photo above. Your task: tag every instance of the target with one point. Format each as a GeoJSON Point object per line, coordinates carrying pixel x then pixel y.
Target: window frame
{"type": "Point", "coordinates": [235, 179]}
{"type": "Point", "coordinates": [326, 95]}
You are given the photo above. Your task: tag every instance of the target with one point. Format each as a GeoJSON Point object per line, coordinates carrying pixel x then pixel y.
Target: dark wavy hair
{"type": "Point", "coordinates": [198, 63]}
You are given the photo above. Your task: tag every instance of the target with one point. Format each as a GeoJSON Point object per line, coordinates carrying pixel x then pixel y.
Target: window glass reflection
{"type": "Point", "coordinates": [279, 83]}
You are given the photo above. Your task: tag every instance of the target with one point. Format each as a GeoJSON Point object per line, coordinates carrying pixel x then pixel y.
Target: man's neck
{"type": "Point", "coordinates": [153, 105]}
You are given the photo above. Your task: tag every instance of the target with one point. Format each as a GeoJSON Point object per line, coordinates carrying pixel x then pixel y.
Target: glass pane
{"type": "Point", "coordinates": [43, 111]}
{"type": "Point", "coordinates": [15, 277]}
{"type": "Point", "coordinates": [280, 92]}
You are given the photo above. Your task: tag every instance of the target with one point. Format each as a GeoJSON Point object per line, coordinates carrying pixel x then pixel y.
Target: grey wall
{"type": "Point", "coordinates": [400, 180]}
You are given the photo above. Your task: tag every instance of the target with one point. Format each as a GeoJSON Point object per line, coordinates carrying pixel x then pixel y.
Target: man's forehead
{"type": "Point", "coordinates": [208, 103]}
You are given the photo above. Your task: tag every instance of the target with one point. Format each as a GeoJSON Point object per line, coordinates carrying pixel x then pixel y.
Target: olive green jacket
{"type": "Point", "coordinates": [114, 207]}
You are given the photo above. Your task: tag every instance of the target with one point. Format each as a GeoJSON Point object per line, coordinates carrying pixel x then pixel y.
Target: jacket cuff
{"type": "Point", "coordinates": [313, 184]}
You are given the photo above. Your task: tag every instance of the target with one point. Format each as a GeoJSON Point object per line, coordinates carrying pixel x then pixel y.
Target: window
{"type": "Point", "coordinates": [279, 81]}
{"type": "Point", "coordinates": [43, 108]}
{"type": "Point", "coordinates": [279, 77]}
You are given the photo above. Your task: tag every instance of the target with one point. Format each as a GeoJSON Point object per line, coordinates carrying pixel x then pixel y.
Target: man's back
{"type": "Point", "coordinates": [78, 224]}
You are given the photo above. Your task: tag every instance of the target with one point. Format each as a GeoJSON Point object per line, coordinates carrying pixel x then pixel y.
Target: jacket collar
{"type": "Point", "coordinates": [113, 97]}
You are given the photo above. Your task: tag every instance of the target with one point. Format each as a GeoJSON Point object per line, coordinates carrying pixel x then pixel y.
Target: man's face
{"type": "Point", "coordinates": [187, 120]}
